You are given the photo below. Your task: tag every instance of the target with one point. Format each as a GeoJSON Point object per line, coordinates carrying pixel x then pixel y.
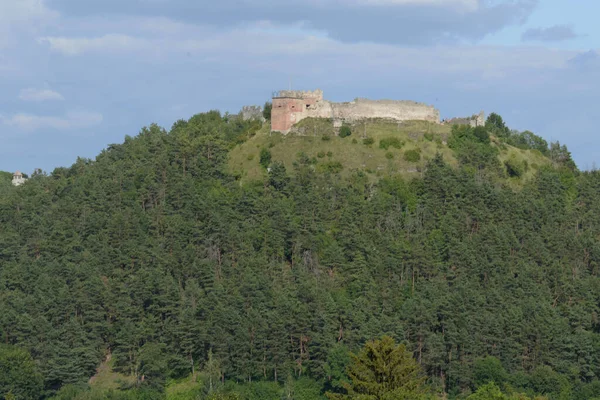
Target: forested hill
{"type": "Point", "coordinates": [151, 272]}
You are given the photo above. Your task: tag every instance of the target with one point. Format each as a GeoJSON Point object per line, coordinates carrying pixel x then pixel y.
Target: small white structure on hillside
{"type": "Point", "coordinates": [18, 179]}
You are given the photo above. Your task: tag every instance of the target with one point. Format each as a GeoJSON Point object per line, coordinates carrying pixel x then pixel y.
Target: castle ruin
{"type": "Point", "coordinates": [291, 107]}
{"type": "Point", "coordinates": [18, 179]}
{"type": "Point", "coordinates": [473, 121]}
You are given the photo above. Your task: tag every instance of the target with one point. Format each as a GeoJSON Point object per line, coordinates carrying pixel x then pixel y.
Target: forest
{"type": "Point", "coordinates": [154, 264]}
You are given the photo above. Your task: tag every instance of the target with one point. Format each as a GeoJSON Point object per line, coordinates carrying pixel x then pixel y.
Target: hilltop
{"type": "Point", "coordinates": [376, 147]}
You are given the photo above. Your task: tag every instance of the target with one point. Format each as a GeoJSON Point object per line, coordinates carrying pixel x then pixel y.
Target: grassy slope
{"type": "Point", "coordinates": [354, 155]}
{"type": "Point", "coordinates": [107, 379]}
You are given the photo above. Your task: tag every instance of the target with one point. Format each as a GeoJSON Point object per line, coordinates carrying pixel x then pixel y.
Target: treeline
{"type": "Point", "coordinates": [154, 255]}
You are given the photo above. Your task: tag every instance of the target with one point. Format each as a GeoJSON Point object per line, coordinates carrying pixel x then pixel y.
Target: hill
{"type": "Point", "coordinates": [196, 282]}
{"type": "Point", "coordinates": [377, 147]}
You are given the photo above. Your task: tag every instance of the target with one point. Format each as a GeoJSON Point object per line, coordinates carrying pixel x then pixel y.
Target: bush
{"type": "Point", "coordinates": [331, 167]}
{"type": "Point", "coordinates": [389, 155]}
{"type": "Point", "coordinates": [267, 110]}
{"type": "Point", "coordinates": [265, 158]}
{"type": "Point", "coordinates": [250, 157]}
{"type": "Point", "coordinates": [329, 154]}
{"type": "Point", "coordinates": [354, 141]}
{"type": "Point", "coordinates": [481, 134]}
{"type": "Point", "coordinates": [391, 142]}
{"type": "Point", "coordinates": [368, 141]}
{"type": "Point", "coordinates": [326, 138]}
{"type": "Point", "coordinates": [428, 137]}
{"type": "Point", "coordinates": [514, 168]}
{"type": "Point", "coordinates": [345, 131]}
{"type": "Point", "coordinates": [412, 155]}
{"type": "Point", "coordinates": [320, 154]}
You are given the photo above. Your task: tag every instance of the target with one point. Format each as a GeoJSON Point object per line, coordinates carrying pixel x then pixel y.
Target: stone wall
{"type": "Point", "coordinates": [360, 109]}
{"type": "Point", "coordinates": [473, 121]}
{"type": "Point", "coordinates": [252, 112]}
{"type": "Point", "coordinates": [291, 107]}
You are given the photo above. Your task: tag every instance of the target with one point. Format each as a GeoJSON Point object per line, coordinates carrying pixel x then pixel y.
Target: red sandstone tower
{"type": "Point", "coordinates": [289, 107]}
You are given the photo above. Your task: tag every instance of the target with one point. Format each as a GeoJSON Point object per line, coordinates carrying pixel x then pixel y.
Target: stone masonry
{"type": "Point", "coordinates": [291, 107]}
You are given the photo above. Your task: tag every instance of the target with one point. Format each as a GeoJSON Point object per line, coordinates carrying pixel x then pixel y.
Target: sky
{"type": "Point", "coordinates": [76, 76]}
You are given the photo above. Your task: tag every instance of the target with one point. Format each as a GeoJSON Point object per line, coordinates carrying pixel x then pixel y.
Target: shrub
{"type": "Point", "coordinates": [389, 155]}
{"type": "Point", "coordinates": [412, 155]}
{"type": "Point", "coordinates": [267, 110]}
{"type": "Point", "coordinates": [428, 137]}
{"type": "Point", "coordinates": [332, 167]}
{"type": "Point", "coordinates": [250, 157]}
{"type": "Point", "coordinates": [391, 142]}
{"type": "Point", "coordinates": [265, 158]}
{"type": "Point", "coordinates": [514, 168]}
{"type": "Point", "coordinates": [481, 134]}
{"type": "Point", "coordinates": [326, 138]}
{"type": "Point", "coordinates": [329, 154]}
{"type": "Point", "coordinates": [354, 141]}
{"type": "Point", "coordinates": [320, 154]}
{"type": "Point", "coordinates": [368, 141]}
{"type": "Point", "coordinates": [345, 131]}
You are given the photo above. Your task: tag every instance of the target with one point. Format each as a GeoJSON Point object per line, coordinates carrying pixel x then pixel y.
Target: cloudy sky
{"type": "Point", "coordinates": [76, 75]}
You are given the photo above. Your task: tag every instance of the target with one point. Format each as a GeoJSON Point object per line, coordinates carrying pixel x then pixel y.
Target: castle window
{"type": "Point", "coordinates": [308, 106]}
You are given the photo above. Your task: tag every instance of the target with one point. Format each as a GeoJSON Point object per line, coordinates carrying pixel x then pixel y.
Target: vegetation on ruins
{"type": "Point", "coordinates": [160, 271]}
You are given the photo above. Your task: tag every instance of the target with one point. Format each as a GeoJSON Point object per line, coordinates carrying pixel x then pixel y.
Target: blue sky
{"type": "Point", "coordinates": [78, 75]}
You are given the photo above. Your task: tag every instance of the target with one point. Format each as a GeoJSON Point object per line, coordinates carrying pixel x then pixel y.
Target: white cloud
{"type": "Point", "coordinates": [107, 43]}
{"type": "Point", "coordinates": [39, 95]}
{"type": "Point", "coordinates": [466, 5]}
{"type": "Point", "coordinates": [72, 120]}
{"type": "Point", "coordinates": [17, 11]}
{"type": "Point", "coordinates": [28, 16]}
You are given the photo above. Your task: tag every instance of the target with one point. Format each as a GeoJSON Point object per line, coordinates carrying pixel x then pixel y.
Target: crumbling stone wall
{"type": "Point", "coordinates": [252, 112]}
{"type": "Point", "coordinates": [360, 109]}
{"type": "Point", "coordinates": [473, 121]}
{"type": "Point", "coordinates": [291, 107]}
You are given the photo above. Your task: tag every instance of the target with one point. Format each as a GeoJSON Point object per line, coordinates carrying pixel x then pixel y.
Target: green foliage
{"type": "Point", "coordinates": [338, 361]}
{"type": "Point", "coordinates": [265, 158]}
{"type": "Point", "coordinates": [496, 125]}
{"type": "Point", "coordinates": [321, 154]}
{"type": "Point", "coordinates": [5, 177]}
{"type": "Point", "coordinates": [389, 155]}
{"type": "Point", "coordinates": [268, 107]}
{"type": "Point", "coordinates": [473, 149]}
{"type": "Point", "coordinates": [278, 178]}
{"type": "Point", "coordinates": [489, 369]}
{"type": "Point", "coordinates": [345, 131]}
{"type": "Point", "coordinates": [368, 141]}
{"type": "Point", "coordinates": [561, 156]}
{"type": "Point", "coordinates": [383, 370]}
{"type": "Point", "coordinates": [261, 391]}
{"type": "Point", "coordinates": [489, 391]}
{"type": "Point", "coordinates": [155, 253]}
{"type": "Point", "coordinates": [326, 138]}
{"type": "Point", "coordinates": [331, 167]}
{"type": "Point", "coordinates": [528, 140]}
{"type": "Point", "coordinates": [394, 142]}
{"type": "Point", "coordinates": [19, 375]}
{"type": "Point", "coordinates": [428, 136]}
{"type": "Point", "coordinates": [515, 168]}
{"type": "Point", "coordinates": [413, 155]}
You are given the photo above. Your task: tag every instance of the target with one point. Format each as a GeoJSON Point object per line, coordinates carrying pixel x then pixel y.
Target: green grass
{"type": "Point", "coordinates": [371, 159]}
{"type": "Point", "coordinates": [183, 389]}
{"type": "Point", "coordinates": [534, 160]}
{"type": "Point", "coordinates": [106, 379]}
